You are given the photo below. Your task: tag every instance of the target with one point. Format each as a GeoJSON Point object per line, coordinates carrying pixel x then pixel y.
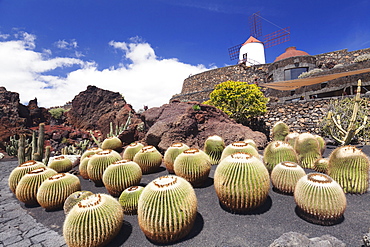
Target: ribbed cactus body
{"type": "Point", "coordinates": [167, 209]}
{"type": "Point", "coordinates": [113, 143]}
{"type": "Point", "coordinates": [75, 198]}
{"type": "Point", "coordinates": [194, 165]}
{"type": "Point", "coordinates": [89, 152]}
{"type": "Point", "coordinates": [321, 165]}
{"type": "Point", "coordinates": [61, 164]}
{"type": "Point", "coordinates": [285, 175]}
{"type": "Point", "coordinates": [241, 182]}
{"type": "Point", "coordinates": [349, 166]}
{"type": "Point", "coordinates": [214, 146]}
{"type": "Point", "coordinates": [54, 190]}
{"type": "Point", "coordinates": [27, 187]}
{"type": "Point", "coordinates": [83, 166]}
{"type": "Point", "coordinates": [291, 137]}
{"type": "Point", "coordinates": [94, 221]}
{"type": "Point", "coordinates": [279, 131]}
{"type": "Point", "coordinates": [120, 175]}
{"type": "Point", "coordinates": [99, 162]}
{"type": "Point", "coordinates": [131, 150]}
{"type": "Point", "coordinates": [308, 150]}
{"type": "Point", "coordinates": [18, 172]}
{"type": "Point", "coordinates": [320, 199]}
{"type": "Point", "coordinates": [171, 153]}
{"type": "Point", "coordinates": [322, 144]}
{"type": "Point", "coordinates": [149, 159]}
{"type": "Point", "coordinates": [277, 152]}
{"type": "Point", "coordinates": [237, 147]}
{"type": "Point", "coordinates": [251, 142]}
{"type": "Point", "coordinates": [129, 199]}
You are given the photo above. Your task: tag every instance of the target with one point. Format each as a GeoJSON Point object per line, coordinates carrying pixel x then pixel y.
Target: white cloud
{"type": "Point", "coordinates": [144, 80]}
{"type": "Point", "coordinates": [62, 44]}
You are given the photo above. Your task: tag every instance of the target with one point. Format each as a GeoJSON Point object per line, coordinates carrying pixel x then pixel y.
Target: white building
{"type": "Point", "coordinates": [252, 52]}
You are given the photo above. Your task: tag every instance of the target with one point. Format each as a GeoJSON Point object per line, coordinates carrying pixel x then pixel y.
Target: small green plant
{"type": "Point", "coordinates": [239, 100]}
{"type": "Point", "coordinates": [196, 107]}
{"type": "Point", "coordinates": [57, 113]}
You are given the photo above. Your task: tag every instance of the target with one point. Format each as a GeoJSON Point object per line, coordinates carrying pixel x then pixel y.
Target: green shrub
{"type": "Point", "coordinates": [239, 100]}
{"type": "Point", "coordinates": [57, 113]}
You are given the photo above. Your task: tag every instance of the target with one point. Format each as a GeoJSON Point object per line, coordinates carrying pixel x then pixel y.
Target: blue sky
{"type": "Point", "coordinates": [144, 49]}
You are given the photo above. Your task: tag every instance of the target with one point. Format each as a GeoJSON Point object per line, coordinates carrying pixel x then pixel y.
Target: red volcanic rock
{"type": "Point", "coordinates": [179, 122]}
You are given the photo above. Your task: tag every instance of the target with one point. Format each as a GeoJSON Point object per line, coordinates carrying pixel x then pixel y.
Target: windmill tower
{"type": "Point", "coordinates": [252, 52]}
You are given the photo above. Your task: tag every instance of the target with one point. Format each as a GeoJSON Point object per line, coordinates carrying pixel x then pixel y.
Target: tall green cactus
{"type": "Point", "coordinates": [21, 148]}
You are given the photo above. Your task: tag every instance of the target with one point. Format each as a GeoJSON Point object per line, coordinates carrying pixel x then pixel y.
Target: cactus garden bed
{"type": "Point", "coordinates": [215, 226]}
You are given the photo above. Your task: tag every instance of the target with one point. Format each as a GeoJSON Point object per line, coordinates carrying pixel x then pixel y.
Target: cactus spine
{"type": "Point", "coordinates": [21, 149]}
{"type": "Point", "coordinates": [320, 199]}
{"type": "Point", "coordinates": [27, 187]}
{"type": "Point", "coordinates": [308, 150]}
{"type": "Point", "coordinates": [167, 209]}
{"type": "Point", "coordinates": [241, 182]}
{"type": "Point", "coordinates": [213, 146]}
{"type": "Point", "coordinates": [83, 167]}
{"type": "Point", "coordinates": [321, 165]}
{"type": "Point", "coordinates": [149, 159]}
{"type": "Point", "coordinates": [291, 137]}
{"type": "Point", "coordinates": [349, 166]}
{"type": "Point", "coordinates": [61, 164]}
{"type": "Point", "coordinates": [120, 175]}
{"type": "Point", "coordinates": [75, 198]}
{"type": "Point", "coordinates": [276, 152]}
{"type": "Point", "coordinates": [279, 131]}
{"type": "Point", "coordinates": [285, 175]}
{"type": "Point", "coordinates": [54, 190]}
{"type": "Point", "coordinates": [194, 165]}
{"type": "Point", "coordinates": [237, 147]}
{"type": "Point", "coordinates": [113, 143]}
{"type": "Point", "coordinates": [90, 151]}
{"type": "Point", "coordinates": [94, 221]}
{"type": "Point", "coordinates": [171, 153]}
{"type": "Point", "coordinates": [18, 172]}
{"type": "Point", "coordinates": [131, 150]}
{"type": "Point", "coordinates": [129, 199]}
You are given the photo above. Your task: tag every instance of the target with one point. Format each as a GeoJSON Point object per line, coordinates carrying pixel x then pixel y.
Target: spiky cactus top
{"type": "Point", "coordinates": [237, 147]}
{"type": "Point", "coordinates": [75, 198]}
{"type": "Point", "coordinates": [27, 187]}
{"type": "Point", "coordinates": [277, 152]}
{"type": "Point", "coordinates": [213, 146]}
{"type": "Point", "coordinates": [131, 150]}
{"type": "Point", "coordinates": [167, 209]}
{"type": "Point", "coordinates": [285, 176]}
{"type": "Point", "coordinates": [94, 221]}
{"type": "Point", "coordinates": [129, 199]}
{"type": "Point", "coordinates": [349, 166]}
{"type": "Point", "coordinates": [121, 175]}
{"type": "Point", "coordinates": [99, 162]}
{"type": "Point", "coordinates": [251, 142]}
{"type": "Point", "coordinates": [54, 190]}
{"type": "Point", "coordinates": [241, 182]}
{"type": "Point", "coordinates": [291, 137]}
{"type": "Point", "coordinates": [321, 165]}
{"type": "Point", "coordinates": [61, 164]}
{"type": "Point", "coordinates": [308, 150]}
{"type": "Point", "coordinates": [320, 199]}
{"type": "Point", "coordinates": [171, 153]}
{"type": "Point", "coordinates": [194, 165]}
{"type": "Point", "coordinates": [90, 151]}
{"type": "Point", "coordinates": [20, 171]}
{"type": "Point", "coordinates": [279, 131]}
{"type": "Point", "coordinates": [149, 159]}
{"type": "Point", "coordinates": [113, 143]}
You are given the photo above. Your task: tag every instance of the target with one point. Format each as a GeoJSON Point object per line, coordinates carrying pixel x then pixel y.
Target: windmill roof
{"type": "Point", "coordinates": [291, 52]}
{"type": "Point", "coordinates": [252, 40]}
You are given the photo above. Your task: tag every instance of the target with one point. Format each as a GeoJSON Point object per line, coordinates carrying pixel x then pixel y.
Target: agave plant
{"type": "Point", "coordinates": [129, 199]}
{"type": "Point", "coordinates": [308, 150]}
{"type": "Point", "coordinates": [54, 190]}
{"type": "Point", "coordinates": [149, 159]}
{"type": "Point", "coordinates": [237, 147]}
{"type": "Point", "coordinates": [320, 199]}
{"type": "Point", "coordinates": [75, 198]}
{"type": "Point", "coordinates": [213, 146]}
{"type": "Point", "coordinates": [167, 209]}
{"type": "Point", "coordinates": [131, 150]}
{"type": "Point", "coordinates": [277, 152]}
{"type": "Point", "coordinates": [94, 221]}
{"type": "Point", "coordinates": [61, 164]}
{"type": "Point", "coordinates": [241, 182]}
{"type": "Point", "coordinates": [285, 175]}
{"type": "Point", "coordinates": [171, 153]}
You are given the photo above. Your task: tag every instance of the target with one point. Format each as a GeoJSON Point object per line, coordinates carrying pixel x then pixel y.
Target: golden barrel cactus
{"type": "Point", "coordinates": [279, 131]}
{"type": "Point", "coordinates": [129, 199]}
{"type": "Point", "coordinates": [83, 166]}
{"type": "Point", "coordinates": [277, 152]}
{"type": "Point", "coordinates": [285, 175]}
{"type": "Point", "coordinates": [321, 165]}
{"type": "Point", "coordinates": [239, 147]}
{"type": "Point", "coordinates": [89, 152]}
{"type": "Point", "coordinates": [171, 153]}
{"type": "Point", "coordinates": [149, 159]}
{"type": "Point", "coordinates": [113, 143]}
{"type": "Point", "coordinates": [61, 164]}
{"type": "Point", "coordinates": [75, 198]}
{"type": "Point", "coordinates": [308, 150]}
{"type": "Point", "coordinates": [291, 137]}
{"type": "Point", "coordinates": [213, 146]}
{"type": "Point", "coordinates": [131, 150]}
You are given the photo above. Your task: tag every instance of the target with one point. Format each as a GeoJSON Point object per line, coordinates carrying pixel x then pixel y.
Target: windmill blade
{"type": "Point", "coordinates": [234, 52]}
{"type": "Point", "coordinates": [255, 25]}
{"type": "Point", "coordinates": [277, 37]}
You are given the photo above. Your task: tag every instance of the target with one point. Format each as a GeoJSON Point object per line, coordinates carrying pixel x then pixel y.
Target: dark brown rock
{"type": "Point", "coordinates": [179, 122]}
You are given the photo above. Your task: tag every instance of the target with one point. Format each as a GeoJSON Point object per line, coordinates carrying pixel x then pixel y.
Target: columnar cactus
{"type": "Point", "coordinates": [321, 165]}
{"type": "Point", "coordinates": [99, 162]}
{"type": "Point", "coordinates": [278, 151]}
{"type": "Point", "coordinates": [279, 131]}
{"type": "Point", "coordinates": [94, 221]}
{"type": "Point", "coordinates": [237, 147]}
{"type": "Point", "coordinates": [54, 190]}
{"type": "Point", "coordinates": [320, 199]}
{"type": "Point", "coordinates": [27, 187]}
{"type": "Point", "coordinates": [131, 150]}
{"type": "Point", "coordinates": [308, 150]}
{"type": "Point", "coordinates": [194, 165]}
{"type": "Point", "coordinates": [171, 153]}
{"type": "Point", "coordinates": [120, 175]}
{"type": "Point", "coordinates": [112, 142]}
{"type": "Point", "coordinates": [75, 198]}
{"type": "Point", "coordinates": [149, 159]}
{"type": "Point", "coordinates": [61, 164]}
{"type": "Point", "coordinates": [291, 137]}
{"type": "Point", "coordinates": [285, 175]}
{"type": "Point", "coordinates": [129, 199]}
{"type": "Point", "coordinates": [241, 182]}
{"type": "Point", "coordinates": [213, 146]}
{"type": "Point", "coordinates": [349, 166]}
{"type": "Point", "coordinates": [90, 151]}
{"type": "Point", "coordinates": [18, 172]}
{"type": "Point", "coordinates": [167, 209]}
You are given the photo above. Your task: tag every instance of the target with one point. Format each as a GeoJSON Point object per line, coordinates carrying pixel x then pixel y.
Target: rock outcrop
{"type": "Point", "coordinates": [182, 122]}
